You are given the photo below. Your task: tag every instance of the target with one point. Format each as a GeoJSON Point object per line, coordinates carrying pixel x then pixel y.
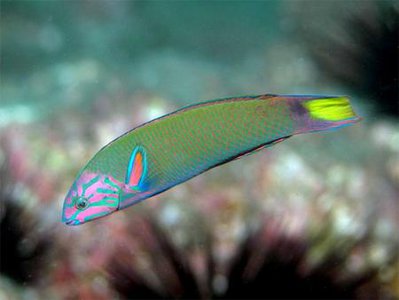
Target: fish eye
{"type": "Point", "coordinates": [81, 203]}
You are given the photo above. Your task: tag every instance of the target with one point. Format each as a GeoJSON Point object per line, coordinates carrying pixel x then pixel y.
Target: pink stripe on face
{"type": "Point", "coordinates": [96, 194]}
{"type": "Point", "coordinates": [92, 190]}
{"type": "Point", "coordinates": [85, 215]}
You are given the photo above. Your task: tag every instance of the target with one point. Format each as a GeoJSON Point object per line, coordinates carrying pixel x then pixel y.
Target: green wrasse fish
{"type": "Point", "coordinates": [164, 152]}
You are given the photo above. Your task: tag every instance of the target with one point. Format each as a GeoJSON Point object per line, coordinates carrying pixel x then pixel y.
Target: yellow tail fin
{"type": "Point", "coordinates": [330, 109]}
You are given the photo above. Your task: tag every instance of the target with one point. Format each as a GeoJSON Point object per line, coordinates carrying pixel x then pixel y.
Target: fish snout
{"type": "Point", "coordinates": [72, 222]}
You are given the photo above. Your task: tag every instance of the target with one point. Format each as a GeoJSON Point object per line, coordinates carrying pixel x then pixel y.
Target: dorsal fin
{"type": "Point", "coordinates": [137, 167]}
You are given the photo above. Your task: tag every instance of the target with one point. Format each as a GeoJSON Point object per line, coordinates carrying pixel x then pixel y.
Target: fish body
{"type": "Point", "coordinates": [162, 153]}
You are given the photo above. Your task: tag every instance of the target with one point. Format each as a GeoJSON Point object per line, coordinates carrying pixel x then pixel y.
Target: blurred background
{"type": "Point", "coordinates": [314, 217]}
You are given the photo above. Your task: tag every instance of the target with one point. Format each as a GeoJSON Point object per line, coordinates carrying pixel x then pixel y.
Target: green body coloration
{"type": "Point", "coordinates": [191, 141]}
{"type": "Point", "coordinates": [174, 148]}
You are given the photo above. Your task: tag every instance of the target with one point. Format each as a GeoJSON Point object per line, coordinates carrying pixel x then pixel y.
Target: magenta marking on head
{"type": "Point", "coordinates": [100, 194]}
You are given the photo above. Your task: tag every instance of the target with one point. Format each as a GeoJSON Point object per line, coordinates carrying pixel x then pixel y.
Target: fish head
{"type": "Point", "coordinates": [91, 196]}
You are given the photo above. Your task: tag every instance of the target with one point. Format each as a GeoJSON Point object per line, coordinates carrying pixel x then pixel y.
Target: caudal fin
{"type": "Point", "coordinates": [325, 113]}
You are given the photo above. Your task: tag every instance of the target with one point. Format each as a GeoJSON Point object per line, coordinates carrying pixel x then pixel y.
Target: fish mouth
{"type": "Point", "coordinates": [71, 222]}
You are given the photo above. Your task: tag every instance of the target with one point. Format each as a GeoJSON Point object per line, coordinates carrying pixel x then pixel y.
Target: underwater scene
{"type": "Point", "coordinates": [304, 216]}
